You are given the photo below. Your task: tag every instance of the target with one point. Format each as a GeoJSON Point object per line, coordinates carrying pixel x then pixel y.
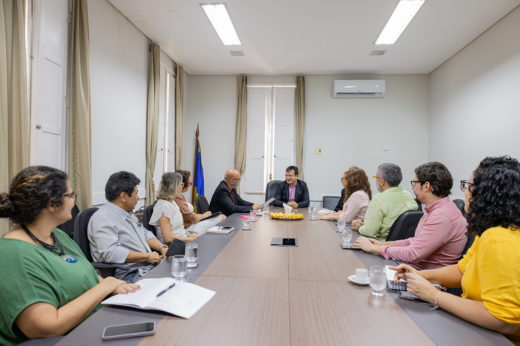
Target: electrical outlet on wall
{"type": "Point", "coordinates": [317, 151]}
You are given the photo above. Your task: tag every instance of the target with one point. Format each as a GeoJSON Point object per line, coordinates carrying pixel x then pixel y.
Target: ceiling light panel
{"type": "Point", "coordinates": [219, 17]}
{"type": "Point", "coordinates": [402, 16]}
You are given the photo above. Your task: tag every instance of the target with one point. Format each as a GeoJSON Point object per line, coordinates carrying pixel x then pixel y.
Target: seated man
{"type": "Point", "coordinates": [386, 206]}
{"type": "Point", "coordinates": [292, 191]}
{"type": "Point", "coordinates": [115, 234]}
{"type": "Point", "coordinates": [226, 199]}
{"type": "Point", "coordinates": [440, 236]}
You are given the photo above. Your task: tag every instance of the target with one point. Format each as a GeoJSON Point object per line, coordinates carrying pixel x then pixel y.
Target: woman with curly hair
{"type": "Point", "coordinates": [489, 273]}
{"type": "Point", "coordinates": [48, 286]}
{"type": "Point", "coordinates": [357, 196]}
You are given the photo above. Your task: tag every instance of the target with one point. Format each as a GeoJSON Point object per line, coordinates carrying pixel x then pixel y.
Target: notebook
{"type": "Point", "coordinates": [220, 229]}
{"type": "Point", "coordinates": [390, 274]}
{"type": "Point", "coordinates": [183, 300]}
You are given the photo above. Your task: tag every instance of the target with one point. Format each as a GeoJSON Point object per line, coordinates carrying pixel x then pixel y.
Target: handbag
{"type": "Point", "coordinates": [177, 247]}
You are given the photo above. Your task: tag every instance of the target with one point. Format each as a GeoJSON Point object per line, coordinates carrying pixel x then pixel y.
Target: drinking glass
{"type": "Point", "coordinates": [179, 267]}
{"type": "Point", "coordinates": [341, 225]}
{"type": "Point", "coordinates": [266, 210]}
{"type": "Point", "coordinates": [346, 235]}
{"type": "Point", "coordinates": [246, 222]}
{"type": "Point", "coordinates": [314, 213]}
{"type": "Point", "coordinates": [377, 280]}
{"type": "Point", "coordinates": [192, 250]}
{"type": "Point", "coordinates": [252, 215]}
{"type": "Point", "coordinates": [309, 209]}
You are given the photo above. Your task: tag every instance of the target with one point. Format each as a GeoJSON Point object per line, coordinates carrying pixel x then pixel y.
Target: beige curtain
{"type": "Point", "coordinates": [179, 115]}
{"type": "Point", "coordinates": [299, 121]}
{"type": "Point", "coordinates": [152, 120]}
{"type": "Point", "coordinates": [80, 152]}
{"type": "Point", "coordinates": [241, 125]}
{"type": "Point", "coordinates": [14, 109]}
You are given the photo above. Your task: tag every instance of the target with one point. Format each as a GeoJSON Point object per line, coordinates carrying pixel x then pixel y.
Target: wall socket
{"type": "Point", "coordinates": [317, 151]}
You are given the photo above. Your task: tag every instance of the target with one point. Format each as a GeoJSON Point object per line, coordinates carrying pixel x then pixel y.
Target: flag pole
{"type": "Point", "coordinates": [195, 164]}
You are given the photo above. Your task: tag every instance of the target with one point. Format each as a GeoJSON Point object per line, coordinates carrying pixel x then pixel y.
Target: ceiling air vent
{"type": "Point", "coordinates": [237, 53]}
{"type": "Point", "coordinates": [377, 52]}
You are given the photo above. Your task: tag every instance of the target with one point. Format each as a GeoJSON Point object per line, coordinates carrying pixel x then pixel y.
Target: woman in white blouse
{"type": "Point", "coordinates": [357, 196]}
{"type": "Point", "coordinates": [167, 217]}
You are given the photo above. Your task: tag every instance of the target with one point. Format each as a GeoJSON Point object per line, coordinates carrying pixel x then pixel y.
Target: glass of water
{"type": "Point", "coordinates": [246, 222]}
{"type": "Point", "coordinates": [192, 250]}
{"type": "Point", "coordinates": [252, 215]}
{"type": "Point", "coordinates": [266, 210]}
{"type": "Point", "coordinates": [377, 280]}
{"type": "Point", "coordinates": [346, 235]}
{"type": "Point", "coordinates": [341, 225]}
{"type": "Point", "coordinates": [179, 267]}
{"type": "Point", "coordinates": [314, 213]}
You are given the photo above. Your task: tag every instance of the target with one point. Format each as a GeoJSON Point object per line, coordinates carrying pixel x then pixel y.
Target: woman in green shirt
{"type": "Point", "coordinates": [48, 286]}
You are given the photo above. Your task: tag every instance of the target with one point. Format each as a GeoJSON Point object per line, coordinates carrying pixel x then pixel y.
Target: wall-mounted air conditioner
{"type": "Point", "coordinates": [359, 88]}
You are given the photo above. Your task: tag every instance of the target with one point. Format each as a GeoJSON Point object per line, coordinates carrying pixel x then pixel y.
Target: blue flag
{"type": "Point", "coordinates": [198, 175]}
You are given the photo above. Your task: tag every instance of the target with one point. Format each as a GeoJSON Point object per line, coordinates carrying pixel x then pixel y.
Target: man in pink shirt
{"type": "Point", "coordinates": [440, 236]}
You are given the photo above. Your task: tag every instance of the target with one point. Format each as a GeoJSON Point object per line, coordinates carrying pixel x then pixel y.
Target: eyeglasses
{"type": "Point", "coordinates": [289, 175]}
{"type": "Point", "coordinates": [236, 179]}
{"type": "Point", "coordinates": [376, 177]}
{"type": "Point", "coordinates": [413, 182]}
{"type": "Point", "coordinates": [464, 185]}
{"type": "Point", "coordinates": [72, 195]}
{"type": "Point", "coordinates": [343, 178]}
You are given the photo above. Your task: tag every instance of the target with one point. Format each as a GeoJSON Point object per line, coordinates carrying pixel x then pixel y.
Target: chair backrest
{"type": "Point", "coordinates": [270, 189]}
{"type": "Point", "coordinates": [458, 291]}
{"type": "Point", "coordinates": [147, 215]}
{"type": "Point", "coordinates": [461, 205]}
{"type": "Point", "coordinates": [68, 227]}
{"type": "Point", "coordinates": [80, 231]}
{"type": "Point", "coordinates": [419, 205]}
{"type": "Point", "coordinates": [202, 205]}
{"type": "Point", "coordinates": [404, 226]}
{"type": "Point", "coordinates": [330, 202]}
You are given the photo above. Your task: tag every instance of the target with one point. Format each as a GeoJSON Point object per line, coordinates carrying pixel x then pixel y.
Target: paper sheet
{"type": "Point", "coordinates": [288, 210]}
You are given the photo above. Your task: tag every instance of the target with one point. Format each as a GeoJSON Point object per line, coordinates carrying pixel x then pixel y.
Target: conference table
{"type": "Point", "coordinates": [273, 295]}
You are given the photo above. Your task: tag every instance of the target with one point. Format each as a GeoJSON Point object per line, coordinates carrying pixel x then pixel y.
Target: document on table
{"type": "Point", "coordinates": [390, 274]}
{"type": "Point", "coordinates": [220, 230]}
{"type": "Point", "coordinates": [183, 300]}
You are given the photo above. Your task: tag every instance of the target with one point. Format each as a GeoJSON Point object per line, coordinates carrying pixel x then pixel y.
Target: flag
{"type": "Point", "coordinates": [198, 172]}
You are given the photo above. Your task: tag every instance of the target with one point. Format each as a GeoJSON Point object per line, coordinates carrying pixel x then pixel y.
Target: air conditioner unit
{"type": "Point", "coordinates": [359, 88]}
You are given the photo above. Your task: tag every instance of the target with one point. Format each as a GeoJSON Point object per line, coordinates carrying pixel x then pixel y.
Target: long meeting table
{"type": "Point", "coordinates": [271, 295]}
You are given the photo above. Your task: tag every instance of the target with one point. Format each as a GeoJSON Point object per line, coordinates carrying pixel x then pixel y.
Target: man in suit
{"type": "Point", "coordinates": [226, 199]}
{"type": "Point", "coordinates": [292, 191]}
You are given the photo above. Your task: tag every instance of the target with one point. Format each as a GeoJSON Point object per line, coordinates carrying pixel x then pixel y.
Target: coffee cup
{"type": "Point", "coordinates": [361, 274]}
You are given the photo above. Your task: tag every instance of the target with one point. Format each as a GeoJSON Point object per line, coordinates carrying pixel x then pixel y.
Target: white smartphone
{"type": "Point", "coordinates": [132, 330]}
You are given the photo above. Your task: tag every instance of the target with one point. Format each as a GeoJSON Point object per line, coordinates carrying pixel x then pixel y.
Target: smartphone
{"type": "Point", "coordinates": [408, 295]}
{"type": "Point", "coordinates": [132, 330]}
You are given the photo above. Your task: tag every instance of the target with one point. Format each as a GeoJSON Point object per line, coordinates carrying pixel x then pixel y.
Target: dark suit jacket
{"type": "Point", "coordinates": [301, 195]}
{"type": "Point", "coordinates": [222, 201]}
{"type": "Point", "coordinates": [339, 207]}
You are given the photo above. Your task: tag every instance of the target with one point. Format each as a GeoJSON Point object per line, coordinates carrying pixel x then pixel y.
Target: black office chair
{"type": "Point", "coordinates": [461, 205]}
{"type": "Point", "coordinates": [404, 226]}
{"type": "Point", "coordinates": [202, 205]}
{"type": "Point", "coordinates": [419, 205]}
{"type": "Point", "coordinates": [81, 238]}
{"type": "Point", "coordinates": [330, 202]}
{"type": "Point", "coordinates": [68, 227]}
{"type": "Point", "coordinates": [270, 189]}
{"type": "Point", "coordinates": [458, 291]}
{"type": "Point", "coordinates": [147, 215]}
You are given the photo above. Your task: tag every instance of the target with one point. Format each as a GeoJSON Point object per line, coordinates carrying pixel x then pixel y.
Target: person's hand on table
{"type": "Point", "coordinates": [257, 206]}
{"type": "Point", "coordinates": [110, 284]}
{"type": "Point", "coordinates": [222, 217]}
{"type": "Point", "coordinates": [366, 245]}
{"type": "Point", "coordinates": [323, 217]}
{"type": "Point", "coordinates": [193, 236]}
{"type": "Point", "coordinates": [293, 204]}
{"type": "Point", "coordinates": [356, 225]}
{"type": "Point", "coordinates": [154, 257]}
{"type": "Point", "coordinates": [163, 250]}
{"type": "Point", "coordinates": [421, 287]}
{"type": "Point", "coordinates": [126, 288]}
{"type": "Point", "coordinates": [401, 269]}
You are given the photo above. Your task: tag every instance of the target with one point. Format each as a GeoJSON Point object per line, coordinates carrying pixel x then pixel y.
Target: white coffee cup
{"type": "Point", "coordinates": [361, 274]}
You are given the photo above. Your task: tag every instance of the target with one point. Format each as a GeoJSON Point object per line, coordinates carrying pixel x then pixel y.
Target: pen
{"type": "Point", "coordinates": [164, 291]}
{"type": "Point", "coordinates": [393, 259]}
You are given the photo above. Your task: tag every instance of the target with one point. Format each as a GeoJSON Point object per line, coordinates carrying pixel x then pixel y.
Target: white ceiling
{"type": "Point", "coordinates": [287, 37]}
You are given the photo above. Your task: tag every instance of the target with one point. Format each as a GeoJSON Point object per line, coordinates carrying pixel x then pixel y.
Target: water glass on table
{"type": "Point", "coordinates": [192, 250]}
{"type": "Point", "coordinates": [266, 210]}
{"type": "Point", "coordinates": [377, 280]}
{"type": "Point", "coordinates": [246, 222]}
{"type": "Point", "coordinates": [179, 267]}
{"type": "Point", "coordinates": [346, 235]}
{"type": "Point", "coordinates": [252, 215]}
{"type": "Point", "coordinates": [314, 213]}
{"type": "Point", "coordinates": [341, 225]}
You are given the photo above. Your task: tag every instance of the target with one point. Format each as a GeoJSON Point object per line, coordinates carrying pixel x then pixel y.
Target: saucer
{"type": "Point", "coordinates": [353, 279]}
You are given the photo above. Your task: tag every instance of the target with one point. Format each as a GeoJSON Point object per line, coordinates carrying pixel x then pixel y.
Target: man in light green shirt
{"type": "Point", "coordinates": [386, 206]}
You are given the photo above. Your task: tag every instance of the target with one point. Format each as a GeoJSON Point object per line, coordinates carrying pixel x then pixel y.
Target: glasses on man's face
{"type": "Point", "coordinates": [376, 177]}
{"type": "Point", "coordinates": [464, 185]}
{"type": "Point", "coordinates": [413, 182]}
{"type": "Point", "coordinates": [72, 195]}
{"type": "Point", "coordinates": [289, 175]}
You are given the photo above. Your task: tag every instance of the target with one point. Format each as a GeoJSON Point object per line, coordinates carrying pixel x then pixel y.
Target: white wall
{"type": "Point", "coordinates": [475, 101]}
{"type": "Point", "coordinates": [350, 131]}
{"type": "Point", "coordinates": [119, 58]}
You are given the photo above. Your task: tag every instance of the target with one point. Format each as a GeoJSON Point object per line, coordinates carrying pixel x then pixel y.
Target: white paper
{"type": "Point", "coordinates": [390, 275]}
{"type": "Point", "coordinates": [150, 288]}
{"type": "Point", "coordinates": [219, 230]}
{"type": "Point", "coordinates": [288, 210]}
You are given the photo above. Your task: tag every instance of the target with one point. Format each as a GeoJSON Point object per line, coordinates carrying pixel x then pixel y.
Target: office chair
{"type": "Point", "coordinates": [460, 204]}
{"type": "Point", "coordinates": [330, 202]}
{"type": "Point", "coordinates": [81, 238]}
{"type": "Point", "coordinates": [270, 189]}
{"type": "Point", "coordinates": [404, 226]}
{"type": "Point", "coordinates": [68, 227]}
{"type": "Point", "coordinates": [458, 291]}
{"type": "Point", "coordinates": [202, 205]}
{"type": "Point", "coordinates": [147, 215]}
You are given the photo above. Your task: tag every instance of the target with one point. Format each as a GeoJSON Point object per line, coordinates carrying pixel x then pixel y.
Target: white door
{"type": "Point", "coordinates": [49, 76]}
{"type": "Point", "coordinates": [159, 160]}
{"type": "Point", "coordinates": [170, 140]}
{"type": "Point", "coordinates": [283, 131]}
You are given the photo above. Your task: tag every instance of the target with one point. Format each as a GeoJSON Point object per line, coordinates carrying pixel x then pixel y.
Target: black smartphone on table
{"type": "Point", "coordinates": [408, 295]}
{"type": "Point", "coordinates": [132, 330]}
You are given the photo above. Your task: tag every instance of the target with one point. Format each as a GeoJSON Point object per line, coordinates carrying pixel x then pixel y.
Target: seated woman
{"type": "Point", "coordinates": [192, 221]}
{"type": "Point", "coordinates": [48, 286]}
{"type": "Point", "coordinates": [489, 273]}
{"type": "Point", "coordinates": [166, 216]}
{"type": "Point", "coordinates": [357, 196]}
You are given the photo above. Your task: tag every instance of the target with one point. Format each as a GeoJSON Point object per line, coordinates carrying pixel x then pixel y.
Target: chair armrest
{"type": "Point", "coordinates": [103, 265]}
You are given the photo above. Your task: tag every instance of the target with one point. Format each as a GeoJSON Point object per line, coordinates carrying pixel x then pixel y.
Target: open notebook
{"type": "Point", "coordinates": [390, 274]}
{"type": "Point", "coordinates": [183, 300]}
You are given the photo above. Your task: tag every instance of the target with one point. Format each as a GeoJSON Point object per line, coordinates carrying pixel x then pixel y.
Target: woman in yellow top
{"type": "Point", "coordinates": [489, 273]}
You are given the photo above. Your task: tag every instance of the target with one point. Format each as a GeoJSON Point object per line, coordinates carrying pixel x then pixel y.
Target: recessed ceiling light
{"type": "Point", "coordinates": [402, 16]}
{"type": "Point", "coordinates": [219, 17]}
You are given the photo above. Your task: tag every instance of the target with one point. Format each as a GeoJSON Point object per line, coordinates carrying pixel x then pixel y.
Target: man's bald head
{"type": "Point", "coordinates": [232, 178]}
